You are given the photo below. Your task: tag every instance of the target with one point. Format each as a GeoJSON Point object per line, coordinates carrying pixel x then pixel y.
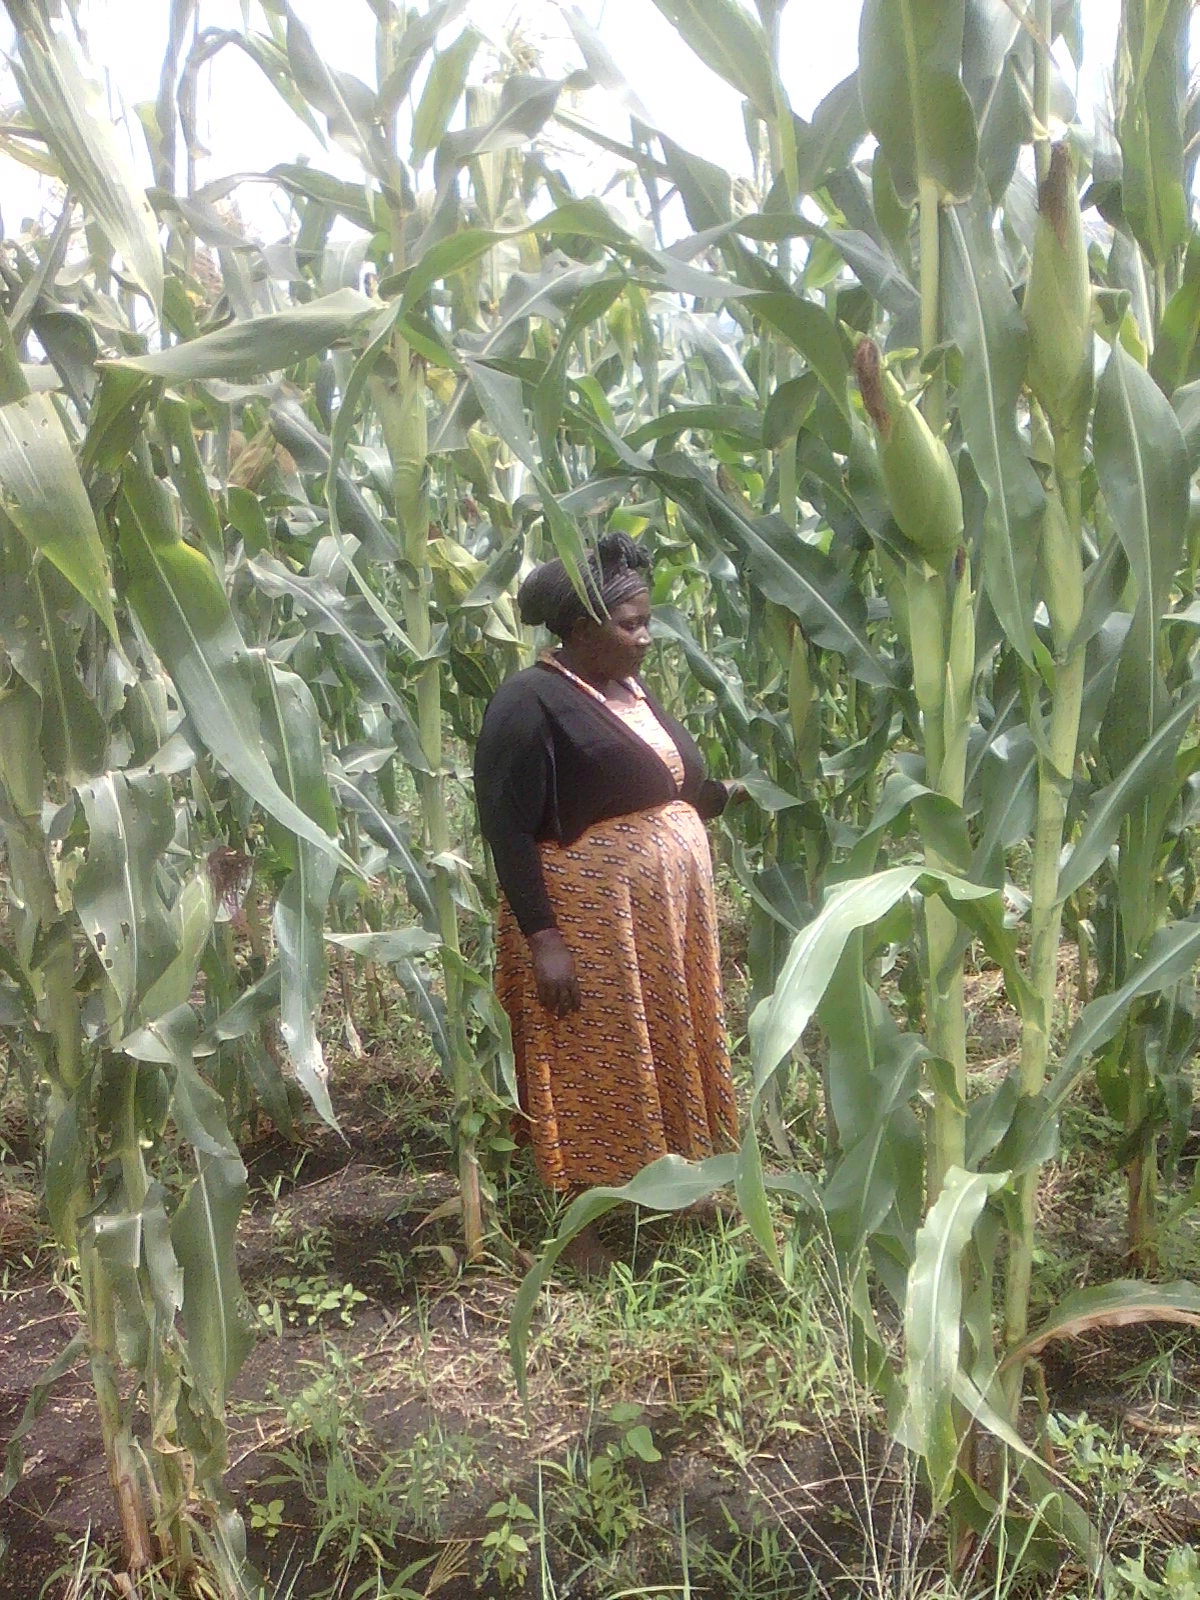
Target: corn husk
{"type": "Point", "coordinates": [1058, 304]}
{"type": "Point", "coordinates": [918, 474]}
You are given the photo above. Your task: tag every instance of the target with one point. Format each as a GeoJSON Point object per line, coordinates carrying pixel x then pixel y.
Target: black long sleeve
{"type": "Point", "coordinates": [514, 777]}
{"type": "Point", "coordinates": [551, 762]}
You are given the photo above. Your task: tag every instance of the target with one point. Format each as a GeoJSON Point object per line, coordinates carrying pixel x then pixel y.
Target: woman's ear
{"type": "Point", "coordinates": [582, 631]}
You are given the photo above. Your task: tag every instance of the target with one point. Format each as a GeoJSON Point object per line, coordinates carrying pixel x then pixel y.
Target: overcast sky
{"type": "Point", "coordinates": [247, 127]}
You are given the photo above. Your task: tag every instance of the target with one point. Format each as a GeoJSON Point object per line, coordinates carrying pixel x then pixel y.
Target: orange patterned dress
{"type": "Point", "coordinates": [642, 1070]}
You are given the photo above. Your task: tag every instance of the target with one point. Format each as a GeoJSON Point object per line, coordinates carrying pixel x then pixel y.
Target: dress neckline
{"type": "Point", "coordinates": [550, 659]}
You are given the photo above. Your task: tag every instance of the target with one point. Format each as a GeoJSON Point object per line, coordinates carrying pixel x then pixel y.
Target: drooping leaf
{"type": "Point", "coordinates": [292, 734]}
{"type": "Point", "coordinates": [1005, 127]}
{"type": "Point", "coordinates": [68, 1188]}
{"type": "Point", "coordinates": [43, 495]}
{"type": "Point", "coordinates": [174, 418]}
{"type": "Point", "coordinates": [526, 103]}
{"type": "Point", "coordinates": [1125, 1303]}
{"type": "Point", "coordinates": [809, 329]}
{"type": "Point", "coordinates": [244, 349]}
{"type": "Point", "coordinates": [1176, 358]}
{"type": "Point", "coordinates": [192, 918]}
{"type": "Point", "coordinates": [668, 623]}
{"type": "Point", "coordinates": [780, 1021]}
{"type": "Point", "coordinates": [73, 734]}
{"type": "Point", "coordinates": [933, 1322]}
{"type": "Point", "coordinates": [413, 46]}
{"type": "Point", "coordinates": [393, 944]}
{"type": "Point", "coordinates": [500, 395]}
{"type": "Point", "coordinates": [1111, 805]}
{"type": "Point", "coordinates": [1141, 461]}
{"type": "Point", "coordinates": [872, 1072]}
{"type": "Point", "coordinates": [429, 1006]}
{"type": "Point", "coordinates": [603, 69]}
{"type": "Point", "coordinates": [329, 612]}
{"type": "Point", "coordinates": [1151, 69]}
{"type": "Point", "coordinates": [131, 822]}
{"type": "Point", "coordinates": [312, 452]}
{"type": "Point", "coordinates": [204, 1234]}
{"type": "Point", "coordinates": [729, 41]}
{"type": "Point", "coordinates": [910, 52]}
{"type": "Point", "coordinates": [251, 1008]}
{"type": "Point", "coordinates": [72, 1352]}
{"type": "Point", "coordinates": [66, 108]}
{"type": "Point", "coordinates": [828, 143]}
{"type": "Point", "coordinates": [555, 290]}
{"type": "Point", "coordinates": [1142, 464]}
{"type": "Point", "coordinates": [443, 90]}
{"type": "Point", "coordinates": [352, 200]}
{"type": "Point", "coordinates": [669, 1184]}
{"type": "Point", "coordinates": [788, 571]}
{"type": "Point", "coordinates": [187, 618]}
{"type": "Point", "coordinates": [345, 101]}
{"type": "Point", "coordinates": [1169, 958]}
{"type": "Point", "coordinates": [392, 833]}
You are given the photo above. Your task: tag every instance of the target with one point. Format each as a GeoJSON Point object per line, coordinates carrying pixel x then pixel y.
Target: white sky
{"type": "Point", "coordinates": [247, 127]}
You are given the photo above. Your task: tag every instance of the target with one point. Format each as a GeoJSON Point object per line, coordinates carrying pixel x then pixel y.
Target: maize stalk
{"type": "Point", "coordinates": [402, 410]}
{"type": "Point", "coordinates": [1058, 315]}
{"type": "Point", "coordinates": [924, 497]}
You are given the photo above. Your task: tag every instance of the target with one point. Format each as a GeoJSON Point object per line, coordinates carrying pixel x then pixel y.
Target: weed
{"type": "Point", "coordinates": [598, 1500]}
{"type": "Point", "coordinates": [505, 1547]}
{"type": "Point", "coordinates": [266, 1519]}
{"type": "Point", "coordinates": [309, 1299]}
{"type": "Point", "coordinates": [361, 1505]}
{"type": "Point", "coordinates": [1180, 1576]}
{"type": "Point", "coordinates": [756, 1566]}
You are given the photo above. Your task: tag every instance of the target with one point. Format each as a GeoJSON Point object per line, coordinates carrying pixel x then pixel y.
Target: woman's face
{"type": "Point", "coordinates": [616, 648]}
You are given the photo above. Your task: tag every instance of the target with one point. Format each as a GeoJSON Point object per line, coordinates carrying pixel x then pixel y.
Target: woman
{"type": "Point", "coordinates": [594, 800]}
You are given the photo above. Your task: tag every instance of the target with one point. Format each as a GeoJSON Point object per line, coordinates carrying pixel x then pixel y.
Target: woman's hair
{"type": "Point", "coordinates": [615, 574]}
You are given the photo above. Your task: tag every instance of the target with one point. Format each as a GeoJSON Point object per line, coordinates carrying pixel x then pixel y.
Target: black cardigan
{"type": "Point", "coordinates": [552, 761]}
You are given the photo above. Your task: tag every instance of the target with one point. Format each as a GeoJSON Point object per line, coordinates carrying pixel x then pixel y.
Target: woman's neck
{"type": "Point", "coordinates": [600, 681]}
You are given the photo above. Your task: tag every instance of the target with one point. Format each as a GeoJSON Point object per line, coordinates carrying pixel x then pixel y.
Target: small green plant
{"type": "Point", "coordinates": [600, 1496]}
{"type": "Point", "coordinates": [309, 1299]}
{"type": "Point", "coordinates": [1180, 1576]}
{"type": "Point", "coordinates": [266, 1519]}
{"type": "Point", "coordinates": [1096, 1459]}
{"type": "Point", "coordinates": [505, 1547]}
{"type": "Point", "coordinates": [1181, 1471]}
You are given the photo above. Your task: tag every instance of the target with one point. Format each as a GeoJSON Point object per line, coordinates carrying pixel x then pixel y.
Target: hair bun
{"type": "Point", "coordinates": [539, 598]}
{"type": "Point", "coordinates": [616, 549]}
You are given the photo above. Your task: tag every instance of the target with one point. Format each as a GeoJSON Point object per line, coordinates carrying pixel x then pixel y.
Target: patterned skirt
{"type": "Point", "coordinates": [642, 1070]}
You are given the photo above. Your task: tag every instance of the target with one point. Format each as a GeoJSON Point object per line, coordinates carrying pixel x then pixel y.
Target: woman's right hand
{"type": "Point", "coordinates": [554, 971]}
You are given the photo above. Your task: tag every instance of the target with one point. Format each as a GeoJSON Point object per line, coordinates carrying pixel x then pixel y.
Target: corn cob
{"type": "Point", "coordinates": [1058, 304]}
{"type": "Point", "coordinates": [918, 474]}
{"type": "Point", "coordinates": [405, 428]}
